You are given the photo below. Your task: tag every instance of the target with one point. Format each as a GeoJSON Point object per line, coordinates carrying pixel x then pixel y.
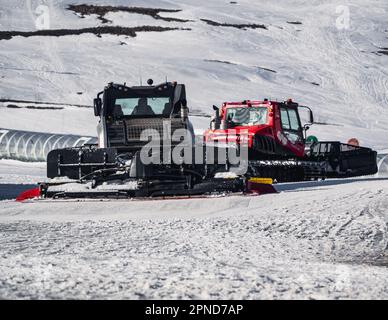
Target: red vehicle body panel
{"type": "Point", "coordinates": [271, 129]}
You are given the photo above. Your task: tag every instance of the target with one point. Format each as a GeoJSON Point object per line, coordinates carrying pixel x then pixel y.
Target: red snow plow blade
{"type": "Point", "coordinates": [28, 194]}
{"type": "Point", "coordinates": [260, 186]}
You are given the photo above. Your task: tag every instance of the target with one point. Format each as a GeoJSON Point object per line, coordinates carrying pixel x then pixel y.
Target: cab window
{"type": "Point", "coordinates": [294, 122]}
{"type": "Point", "coordinates": [289, 119]}
{"type": "Point", "coordinates": [142, 106]}
{"type": "Point", "coordinates": [284, 118]}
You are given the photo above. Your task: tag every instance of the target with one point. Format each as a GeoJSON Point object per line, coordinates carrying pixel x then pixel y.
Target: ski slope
{"type": "Point", "coordinates": [324, 240]}
{"type": "Point", "coordinates": [318, 240]}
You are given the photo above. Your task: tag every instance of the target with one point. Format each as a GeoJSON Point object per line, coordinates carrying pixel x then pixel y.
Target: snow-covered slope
{"type": "Point", "coordinates": [313, 240]}
{"type": "Point", "coordinates": [17, 172]}
{"type": "Point", "coordinates": [335, 71]}
{"type": "Point", "coordinates": [330, 245]}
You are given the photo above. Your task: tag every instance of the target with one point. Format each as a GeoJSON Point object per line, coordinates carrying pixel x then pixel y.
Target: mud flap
{"type": "Point", "coordinates": [28, 194]}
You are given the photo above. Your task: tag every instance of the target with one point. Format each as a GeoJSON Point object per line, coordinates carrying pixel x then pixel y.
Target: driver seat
{"type": "Point", "coordinates": [142, 108]}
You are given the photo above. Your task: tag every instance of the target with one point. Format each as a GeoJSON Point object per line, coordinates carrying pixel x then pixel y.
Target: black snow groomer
{"type": "Point", "coordinates": [130, 118]}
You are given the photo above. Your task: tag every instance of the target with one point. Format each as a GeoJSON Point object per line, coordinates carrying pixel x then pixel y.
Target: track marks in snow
{"type": "Point", "coordinates": [219, 258]}
{"type": "Point", "coordinates": [327, 241]}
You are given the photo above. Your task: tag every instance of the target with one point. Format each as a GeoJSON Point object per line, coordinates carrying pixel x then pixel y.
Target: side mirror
{"type": "Point", "coordinates": [184, 110]}
{"type": "Point", "coordinates": [311, 117]}
{"type": "Point", "coordinates": [216, 121]}
{"type": "Point", "coordinates": [97, 106]}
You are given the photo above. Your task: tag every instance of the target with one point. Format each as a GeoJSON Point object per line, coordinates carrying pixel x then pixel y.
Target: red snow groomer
{"type": "Point", "coordinates": [277, 142]}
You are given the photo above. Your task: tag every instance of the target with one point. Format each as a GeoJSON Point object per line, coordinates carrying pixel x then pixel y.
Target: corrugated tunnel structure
{"type": "Point", "coordinates": [382, 163]}
{"type": "Point", "coordinates": [34, 146]}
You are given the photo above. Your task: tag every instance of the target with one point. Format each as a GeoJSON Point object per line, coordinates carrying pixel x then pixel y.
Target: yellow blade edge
{"type": "Point", "coordinates": [261, 180]}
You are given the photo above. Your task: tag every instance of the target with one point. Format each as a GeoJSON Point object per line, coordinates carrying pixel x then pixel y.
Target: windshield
{"type": "Point", "coordinates": [247, 116]}
{"type": "Point", "coordinates": [142, 106]}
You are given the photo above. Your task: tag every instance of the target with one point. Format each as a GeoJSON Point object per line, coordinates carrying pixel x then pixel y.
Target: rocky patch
{"type": "Point", "coordinates": [98, 31]}
{"type": "Point", "coordinates": [101, 11]}
{"type": "Point", "coordinates": [232, 25]}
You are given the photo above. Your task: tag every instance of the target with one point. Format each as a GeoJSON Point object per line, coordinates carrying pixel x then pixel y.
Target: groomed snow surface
{"type": "Point", "coordinates": [313, 240]}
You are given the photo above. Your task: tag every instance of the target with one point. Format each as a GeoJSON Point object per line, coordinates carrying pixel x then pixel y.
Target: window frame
{"type": "Point", "coordinates": [299, 130]}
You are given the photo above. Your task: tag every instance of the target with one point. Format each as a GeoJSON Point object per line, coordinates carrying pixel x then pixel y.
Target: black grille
{"type": "Point", "coordinates": [135, 127]}
{"type": "Point", "coordinates": [116, 133]}
{"type": "Point", "coordinates": [264, 144]}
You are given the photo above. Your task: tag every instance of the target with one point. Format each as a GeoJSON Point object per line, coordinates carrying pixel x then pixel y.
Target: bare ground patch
{"type": "Point", "coordinates": [380, 52]}
{"type": "Point", "coordinates": [98, 31]}
{"type": "Point", "coordinates": [36, 104]}
{"type": "Point", "coordinates": [101, 11]}
{"type": "Point", "coordinates": [236, 64]}
{"type": "Point", "coordinates": [242, 26]}
{"type": "Point", "coordinates": [294, 22]}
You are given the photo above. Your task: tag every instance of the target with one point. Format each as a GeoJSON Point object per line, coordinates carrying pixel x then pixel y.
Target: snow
{"type": "Point", "coordinates": [313, 240]}
{"type": "Point", "coordinates": [17, 172]}
{"type": "Point", "coordinates": [87, 187]}
{"type": "Point", "coordinates": [70, 120]}
{"type": "Point", "coordinates": [332, 244]}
